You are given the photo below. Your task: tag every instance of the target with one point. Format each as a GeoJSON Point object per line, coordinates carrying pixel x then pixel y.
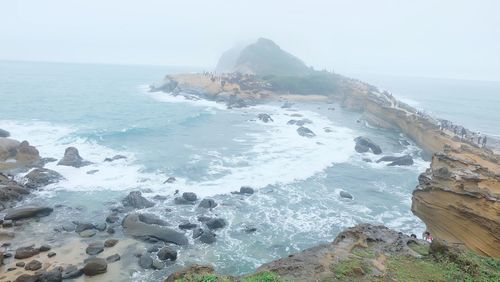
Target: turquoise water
{"type": "Point", "coordinates": [106, 110]}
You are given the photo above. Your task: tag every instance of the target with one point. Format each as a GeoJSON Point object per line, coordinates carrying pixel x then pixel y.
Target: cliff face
{"type": "Point", "coordinates": [458, 199]}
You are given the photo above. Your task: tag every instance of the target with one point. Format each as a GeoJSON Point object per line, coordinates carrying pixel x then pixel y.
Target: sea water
{"type": "Point", "coordinates": [107, 110]}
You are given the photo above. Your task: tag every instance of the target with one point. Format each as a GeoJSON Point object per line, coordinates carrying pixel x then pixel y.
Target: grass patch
{"type": "Point", "coordinates": [363, 252]}
{"type": "Point", "coordinates": [419, 248]}
{"type": "Point", "coordinates": [264, 276]}
{"type": "Point", "coordinates": [209, 277]}
{"type": "Point", "coordinates": [348, 268]}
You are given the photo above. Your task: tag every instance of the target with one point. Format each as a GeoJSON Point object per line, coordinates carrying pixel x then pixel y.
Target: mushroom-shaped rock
{"type": "Point", "coordinates": [72, 158]}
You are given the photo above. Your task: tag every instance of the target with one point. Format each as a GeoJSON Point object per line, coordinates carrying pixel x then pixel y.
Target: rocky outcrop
{"type": "Point", "coordinates": [458, 198]}
{"type": "Point", "coordinates": [134, 227]}
{"type": "Point", "coordinates": [400, 161]}
{"type": "Point", "coordinates": [72, 158]}
{"type": "Point", "coordinates": [27, 212]}
{"type": "Point", "coordinates": [136, 200]}
{"type": "Point", "coordinates": [364, 145]}
{"type": "Point", "coordinates": [4, 133]}
{"type": "Point", "coordinates": [17, 156]}
{"type": "Point", "coordinates": [305, 132]}
{"type": "Point", "coordinates": [40, 177]}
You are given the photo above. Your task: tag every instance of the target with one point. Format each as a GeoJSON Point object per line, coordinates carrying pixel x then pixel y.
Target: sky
{"type": "Point", "coordinates": [446, 38]}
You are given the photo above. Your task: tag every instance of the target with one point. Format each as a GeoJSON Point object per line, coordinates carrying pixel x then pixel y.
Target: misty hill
{"type": "Point", "coordinates": [284, 71]}
{"type": "Point", "coordinates": [263, 57]}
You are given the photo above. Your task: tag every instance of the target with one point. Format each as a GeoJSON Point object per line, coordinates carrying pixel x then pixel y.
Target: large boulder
{"type": "Point", "coordinates": [136, 200]}
{"type": "Point", "coordinates": [27, 155]}
{"type": "Point", "coordinates": [305, 132]}
{"type": "Point", "coordinates": [207, 204]}
{"type": "Point", "coordinates": [4, 133]}
{"type": "Point", "coordinates": [26, 252]}
{"type": "Point", "coordinates": [72, 158]}
{"type": "Point", "coordinates": [134, 227]}
{"type": "Point", "coordinates": [8, 148]}
{"type": "Point", "coordinates": [41, 177]}
{"type": "Point", "coordinates": [27, 212]}
{"type": "Point", "coordinates": [94, 266]}
{"type": "Point", "coordinates": [150, 218]}
{"type": "Point", "coordinates": [364, 144]}
{"type": "Point", "coordinates": [167, 253]}
{"type": "Point", "coordinates": [393, 161]}
{"type": "Point", "coordinates": [216, 223]}
{"type": "Point", "coordinates": [265, 118]}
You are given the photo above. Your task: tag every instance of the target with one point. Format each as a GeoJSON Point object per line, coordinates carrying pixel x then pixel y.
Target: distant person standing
{"type": "Point", "coordinates": [463, 132]}
{"type": "Point", "coordinates": [484, 141]}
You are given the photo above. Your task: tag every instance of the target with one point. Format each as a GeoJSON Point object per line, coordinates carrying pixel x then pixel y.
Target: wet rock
{"type": "Point", "coordinates": [33, 265]}
{"type": "Point", "coordinates": [189, 196]}
{"type": "Point", "coordinates": [40, 177]}
{"type": "Point", "coordinates": [244, 190]}
{"type": "Point", "coordinates": [87, 233]}
{"type": "Point", "coordinates": [207, 237]}
{"type": "Point", "coordinates": [82, 226]}
{"type": "Point", "coordinates": [20, 264]}
{"type": "Point", "coordinates": [4, 133]}
{"type": "Point", "coordinates": [287, 105]}
{"type": "Point", "coordinates": [71, 272]}
{"type": "Point", "coordinates": [216, 223]}
{"type": "Point", "coordinates": [93, 171]}
{"type": "Point", "coordinates": [182, 201]}
{"type": "Point", "coordinates": [158, 265]}
{"type": "Point", "coordinates": [110, 230]}
{"type": "Point", "coordinates": [7, 223]}
{"type": "Point", "coordinates": [51, 254]}
{"type": "Point", "coordinates": [44, 248]}
{"type": "Point", "coordinates": [110, 243]}
{"type": "Point", "coordinates": [112, 218]}
{"type": "Point", "coordinates": [55, 275]}
{"type": "Point", "coordinates": [68, 227]}
{"type": "Point", "coordinates": [114, 158]}
{"type": "Point", "coordinates": [136, 200]}
{"type": "Point", "coordinates": [134, 227]}
{"type": "Point", "coordinates": [364, 144]}
{"type": "Point", "coordinates": [187, 225]}
{"type": "Point", "coordinates": [145, 261]}
{"type": "Point", "coordinates": [100, 226]}
{"type": "Point", "coordinates": [72, 158]}
{"type": "Point", "coordinates": [94, 248]}
{"type": "Point", "coordinates": [167, 253]}
{"type": "Point", "coordinates": [305, 132]}
{"type": "Point", "coordinates": [197, 232]}
{"type": "Point", "coordinates": [26, 252]}
{"type": "Point", "coordinates": [94, 266]}
{"type": "Point", "coordinates": [405, 160]}
{"type": "Point", "coordinates": [150, 218]}
{"type": "Point", "coordinates": [27, 212]}
{"type": "Point", "coordinates": [301, 122]}
{"type": "Point", "coordinates": [264, 118]}
{"type": "Point", "coordinates": [159, 197]}
{"type": "Point", "coordinates": [344, 194]}
{"type": "Point", "coordinates": [203, 218]}
{"type": "Point", "coordinates": [171, 179]}
{"type": "Point", "coordinates": [207, 204]}
{"type": "Point", "coordinates": [113, 258]}
{"type": "Point", "coordinates": [25, 277]}
{"type": "Point", "coordinates": [249, 229]}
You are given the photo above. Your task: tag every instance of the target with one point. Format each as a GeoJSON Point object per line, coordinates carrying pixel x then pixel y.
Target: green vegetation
{"type": "Point", "coordinates": [465, 267]}
{"type": "Point", "coordinates": [264, 276]}
{"type": "Point", "coordinates": [315, 83]}
{"type": "Point", "coordinates": [363, 252]}
{"type": "Point", "coordinates": [419, 248]}
{"type": "Point", "coordinates": [349, 268]}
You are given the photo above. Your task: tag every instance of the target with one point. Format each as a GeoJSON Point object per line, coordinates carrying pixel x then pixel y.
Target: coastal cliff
{"type": "Point", "coordinates": [458, 198]}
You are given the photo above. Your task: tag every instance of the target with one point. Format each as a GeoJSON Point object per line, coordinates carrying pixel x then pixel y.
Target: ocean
{"type": "Point", "coordinates": [105, 110]}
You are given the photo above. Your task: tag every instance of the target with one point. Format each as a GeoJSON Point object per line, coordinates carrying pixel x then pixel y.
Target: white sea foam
{"type": "Point", "coordinates": [188, 99]}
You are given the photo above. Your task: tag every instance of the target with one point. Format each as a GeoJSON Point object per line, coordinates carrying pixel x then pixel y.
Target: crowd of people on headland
{"type": "Point", "coordinates": [475, 138]}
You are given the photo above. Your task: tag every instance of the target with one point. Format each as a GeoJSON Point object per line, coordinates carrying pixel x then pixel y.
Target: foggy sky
{"type": "Point", "coordinates": [446, 38]}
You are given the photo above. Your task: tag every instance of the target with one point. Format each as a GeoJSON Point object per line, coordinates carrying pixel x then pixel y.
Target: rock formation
{"type": "Point", "coordinates": [458, 198]}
